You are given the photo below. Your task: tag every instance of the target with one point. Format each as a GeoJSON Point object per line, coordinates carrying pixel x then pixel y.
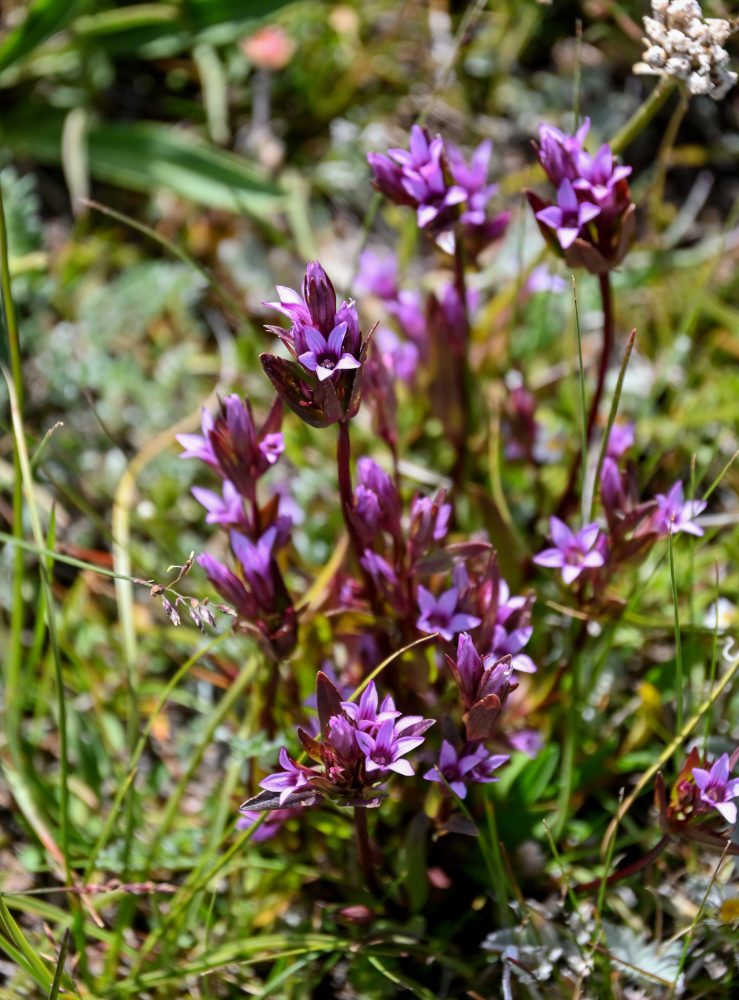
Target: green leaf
{"type": "Point", "coordinates": [44, 18]}
{"type": "Point", "coordinates": [146, 156]}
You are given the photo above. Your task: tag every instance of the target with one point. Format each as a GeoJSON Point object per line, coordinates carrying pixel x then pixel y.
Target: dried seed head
{"type": "Point", "coordinates": [171, 612]}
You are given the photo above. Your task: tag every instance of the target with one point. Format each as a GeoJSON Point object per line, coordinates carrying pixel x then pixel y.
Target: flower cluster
{"type": "Point", "coordinates": [681, 43]}
{"type": "Point", "coordinates": [322, 384]}
{"type": "Point", "coordinates": [699, 793]}
{"type": "Point", "coordinates": [447, 192]}
{"type": "Point", "coordinates": [233, 447]}
{"type": "Point", "coordinates": [592, 222]}
{"type": "Point", "coordinates": [631, 526]}
{"type": "Point", "coordinates": [359, 745]}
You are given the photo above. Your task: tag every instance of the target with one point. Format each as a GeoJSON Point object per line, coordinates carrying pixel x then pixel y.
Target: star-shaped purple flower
{"type": "Point", "coordinates": [325, 357]}
{"type": "Point", "coordinates": [569, 215]}
{"type": "Point", "coordinates": [716, 789]}
{"type": "Point", "coordinates": [292, 777]}
{"type": "Point", "coordinates": [441, 615]}
{"type": "Point", "coordinates": [383, 751]}
{"type": "Point", "coordinates": [674, 514]}
{"type": "Point", "coordinates": [573, 553]}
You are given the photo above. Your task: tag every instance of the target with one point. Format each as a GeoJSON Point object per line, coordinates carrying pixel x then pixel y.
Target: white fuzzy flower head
{"type": "Point", "coordinates": [682, 44]}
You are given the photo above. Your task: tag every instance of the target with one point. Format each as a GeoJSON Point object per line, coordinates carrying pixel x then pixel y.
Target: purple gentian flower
{"type": "Point", "coordinates": [452, 768]}
{"type": "Point", "coordinates": [256, 562]}
{"type": "Point", "coordinates": [573, 553]}
{"type": "Point", "coordinates": [364, 713]}
{"type": "Point", "coordinates": [416, 177]}
{"type": "Point", "coordinates": [716, 789]}
{"type": "Point", "coordinates": [200, 447]}
{"type": "Point", "coordinates": [511, 643]}
{"type": "Point", "coordinates": [326, 357]}
{"type": "Point", "coordinates": [399, 357]}
{"type": "Point", "coordinates": [599, 178]}
{"type": "Point", "coordinates": [620, 439]}
{"type": "Point", "coordinates": [459, 769]}
{"type": "Point", "coordinates": [229, 586]}
{"type": "Point", "coordinates": [569, 215]}
{"type": "Point", "coordinates": [378, 274]}
{"type": "Point", "coordinates": [384, 750]}
{"type": "Point", "coordinates": [674, 515]}
{"type": "Point", "coordinates": [441, 615]}
{"type": "Point", "coordinates": [227, 510]}
{"type": "Point", "coordinates": [293, 777]}
{"type": "Point", "coordinates": [527, 741]}
{"type": "Point", "coordinates": [560, 154]}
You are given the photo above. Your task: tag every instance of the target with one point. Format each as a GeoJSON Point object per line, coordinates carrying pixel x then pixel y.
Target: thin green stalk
{"type": "Point", "coordinates": [714, 658]}
{"type": "Point", "coordinates": [678, 645]}
{"type": "Point", "coordinates": [567, 773]}
{"type": "Point", "coordinates": [643, 115]}
{"type": "Point", "coordinates": [14, 657]}
{"type": "Point", "coordinates": [609, 424]}
{"type": "Point", "coordinates": [577, 81]}
{"type": "Point", "coordinates": [27, 477]}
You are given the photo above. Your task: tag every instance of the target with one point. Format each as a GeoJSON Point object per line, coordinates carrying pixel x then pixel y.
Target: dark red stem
{"type": "Point", "coordinates": [627, 870]}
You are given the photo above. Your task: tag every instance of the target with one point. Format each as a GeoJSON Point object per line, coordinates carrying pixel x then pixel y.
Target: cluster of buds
{"type": "Point", "coordinates": [322, 383]}
{"type": "Point", "coordinates": [241, 454]}
{"type": "Point", "coordinates": [358, 746]}
{"type": "Point", "coordinates": [681, 43]}
{"type": "Point", "coordinates": [592, 224]}
{"type": "Point", "coordinates": [698, 795]}
{"type": "Point", "coordinates": [593, 554]}
{"type": "Point", "coordinates": [447, 192]}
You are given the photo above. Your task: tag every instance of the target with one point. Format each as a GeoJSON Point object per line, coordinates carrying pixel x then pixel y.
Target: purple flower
{"type": "Point", "coordinates": [316, 309]}
{"type": "Point", "coordinates": [399, 357]}
{"type": "Point", "coordinates": [674, 515]}
{"type": "Point", "coordinates": [228, 586]}
{"type": "Point", "coordinates": [542, 280]}
{"type": "Point", "coordinates": [560, 154]}
{"type": "Point", "coordinates": [429, 522]}
{"type": "Point", "coordinates": [384, 750]}
{"type": "Point", "coordinates": [573, 553]}
{"type": "Point", "coordinates": [716, 789]}
{"type": "Point", "coordinates": [599, 180]}
{"type": "Point", "coordinates": [409, 310]}
{"type": "Point", "coordinates": [485, 764]}
{"type": "Point", "coordinates": [200, 447]}
{"type": "Point", "coordinates": [342, 737]}
{"type": "Point", "coordinates": [460, 768]}
{"type": "Point", "coordinates": [227, 510]}
{"type": "Point", "coordinates": [378, 274]}
{"type": "Point", "coordinates": [441, 615]}
{"type": "Point", "coordinates": [257, 564]}
{"type": "Point", "coordinates": [292, 777]}
{"type": "Point", "coordinates": [569, 215]}
{"type": "Point", "coordinates": [527, 741]}
{"type": "Point", "coordinates": [364, 713]}
{"type": "Point", "coordinates": [327, 357]}
{"type": "Point", "coordinates": [273, 822]}
{"type": "Point", "coordinates": [417, 177]}
{"type": "Point", "coordinates": [510, 644]}
{"type": "Point", "coordinates": [612, 492]}
{"type": "Point", "coordinates": [620, 439]}
{"type": "Point", "coordinates": [233, 447]}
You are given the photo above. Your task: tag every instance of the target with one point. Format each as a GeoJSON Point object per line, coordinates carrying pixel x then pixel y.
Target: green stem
{"type": "Point", "coordinates": [17, 609]}
{"type": "Point", "coordinates": [643, 115]}
{"type": "Point", "coordinates": [678, 647]}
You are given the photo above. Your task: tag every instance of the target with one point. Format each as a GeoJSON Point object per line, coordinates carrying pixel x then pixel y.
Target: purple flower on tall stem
{"type": "Point", "coordinates": [256, 560]}
{"type": "Point", "coordinates": [569, 215]}
{"type": "Point", "coordinates": [327, 357]}
{"type": "Point", "coordinates": [384, 750]}
{"type": "Point", "coordinates": [560, 154]}
{"type": "Point", "coordinates": [441, 615]}
{"type": "Point", "coordinates": [620, 439]}
{"type": "Point", "coordinates": [200, 447]}
{"type": "Point", "coordinates": [573, 553]}
{"type": "Point", "coordinates": [674, 514]}
{"type": "Point", "coordinates": [716, 789]}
